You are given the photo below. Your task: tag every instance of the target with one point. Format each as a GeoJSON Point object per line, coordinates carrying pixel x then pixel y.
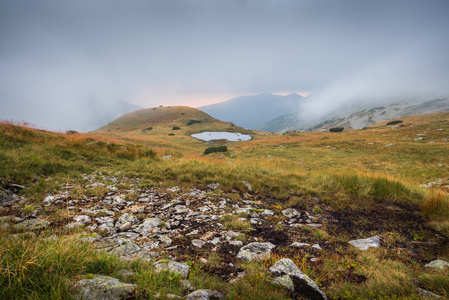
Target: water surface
{"type": "Point", "coordinates": [220, 135]}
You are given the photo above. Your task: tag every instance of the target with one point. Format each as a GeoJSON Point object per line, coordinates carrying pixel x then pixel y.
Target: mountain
{"type": "Point", "coordinates": [355, 117]}
{"type": "Point", "coordinates": [100, 113]}
{"type": "Point", "coordinates": [162, 118]}
{"type": "Point", "coordinates": [252, 112]}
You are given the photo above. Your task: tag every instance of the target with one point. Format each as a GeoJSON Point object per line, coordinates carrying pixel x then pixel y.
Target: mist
{"type": "Point", "coordinates": [70, 64]}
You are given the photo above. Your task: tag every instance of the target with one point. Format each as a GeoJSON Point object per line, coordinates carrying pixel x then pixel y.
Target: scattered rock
{"type": "Point", "coordinates": [148, 225]}
{"type": "Point", "coordinates": [256, 251]}
{"type": "Point", "coordinates": [364, 244]}
{"type": "Point", "coordinates": [172, 266]}
{"type": "Point", "coordinates": [302, 283]}
{"type": "Point", "coordinates": [204, 295]}
{"type": "Point", "coordinates": [438, 264]}
{"type": "Point", "coordinates": [299, 245]}
{"type": "Point", "coordinates": [32, 224]}
{"type": "Point", "coordinates": [126, 218]}
{"type": "Point", "coordinates": [291, 213]}
{"type": "Point", "coordinates": [248, 186]}
{"type": "Point", "coordinates": [103, 287]}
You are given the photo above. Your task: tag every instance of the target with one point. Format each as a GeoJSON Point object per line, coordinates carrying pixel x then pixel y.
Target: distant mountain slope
{"type": "Point", "coordinates": [252, 112]}
{"type": "Point", "coordinates": [157, 116]}
{"type": "Point", "coordinates": [355, 117]}
{"type": "Point", "coordinates": [100, 114]}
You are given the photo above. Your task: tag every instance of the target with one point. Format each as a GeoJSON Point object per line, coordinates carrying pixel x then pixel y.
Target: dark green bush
{"type": "Point", "coordinates": [176, 128]}
{"type": "Point", "coordinates": [215, 149]}
{"type": "Point", "coordinates": [394, 122]}
{"type": "Point", "coordinates": [191, 122]}
{"type": "Point", "coordinates": [170, 134]}
{"type": "Point", "coordinates": [336, 129]}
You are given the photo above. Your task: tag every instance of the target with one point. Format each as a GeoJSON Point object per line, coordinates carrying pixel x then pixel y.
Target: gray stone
{"type": "Point", "coordinates": [126, 218]}
{"type": "Point", "coordinates": [125, 274]}
{"type": "Point", "coordinates": [173, 267]}
{"type": "Point", "coordinates": [236, 243]}
{"type": "Point", "coordinates": [286, 282]}
{"type": "Point", "coordinates": [213, 185]}
{"type": "Point", "coordinates": [126, 226]}
{"type": "Point", "coordinates": [74, 225]}
{"type": "Point", "coordinates": [299, 245]}
{"type": "Point", "coordinates": [166, 240]}
{"type": "Point", "coordinates": [82, 219]}
{"type": "Point", "coordinates": [428, 294]}
{"type": "Point", "coordinates": [256, 251]}
{"type": "Point", "coordinates": [103, 220]}
{"type": "Point", "coordinates": [126, 249]}
{"type": "Point", "coordinates": [248, 186]}
{"type": "Point", "coordinates": [103, 288]}
{"type": "Point", "coordinates": [32, 210]}
{"type": "Point", "coordinates": [316, 246]}
{"type": "Point", "coordinates": [291, 213]}
{"type": "Point", "coordinates": [148, 225]}
{"type": "Point", "coordinates": [198, 243]}
{"type": "Point", "coordinates": [32, 224]}
{"type": "Point", "coordinates": [364, 244]}
{"type": "Point", "coordinates": [97, 210]}
{"type": "Point", "coordinates": [204, 295]}
{"type": "Point", "coordinates": [438, 264]}
{"type": "Point", "coordinates": [302, 282]}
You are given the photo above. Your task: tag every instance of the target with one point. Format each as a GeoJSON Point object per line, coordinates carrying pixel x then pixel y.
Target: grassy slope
{"type": "Point", "coordinates": [354, 170]}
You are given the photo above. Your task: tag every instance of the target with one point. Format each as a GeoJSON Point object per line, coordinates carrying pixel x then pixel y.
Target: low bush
{"type": "Point", "coordinates": [191, 122]}
{"type": "Point", "coordinates": [336, 129]}
{"type": "Point", "coordinates": [394, 122]}
{"type": "Point", "coordinates": [176, 128]}
{"type": "Point", "coordinates": [215, 149]}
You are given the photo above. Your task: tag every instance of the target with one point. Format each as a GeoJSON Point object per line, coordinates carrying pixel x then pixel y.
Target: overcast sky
{"type": "Point", "coordinates": [56, 56]}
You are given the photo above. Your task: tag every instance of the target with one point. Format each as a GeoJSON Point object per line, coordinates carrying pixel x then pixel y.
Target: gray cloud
{"type": "Point", "coordinates": [56, 56]}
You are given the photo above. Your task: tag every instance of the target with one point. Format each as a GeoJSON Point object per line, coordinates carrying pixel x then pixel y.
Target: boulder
{"type": "Point", "coordinates": [256, 251]}
{"type": "Point", "coordinates": [364, 244]}
{"type": "Point", "coordinates": [204, 295]}
{"type": "Point", "coordinates": [104, 288]}
{"type": "Point", "coordinates": [302, 283]}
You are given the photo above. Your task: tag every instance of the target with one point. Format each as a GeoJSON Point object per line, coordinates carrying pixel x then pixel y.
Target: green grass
{"type": "Point", "coordinates": [37, 268]}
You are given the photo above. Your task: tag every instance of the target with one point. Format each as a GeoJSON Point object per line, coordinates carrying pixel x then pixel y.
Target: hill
{"type": "Point", "coordinates": [159, 117]}
{"type": "Point", "coordinates": [355, 117]}
{"type": "Point", "coordinates": [252, 112]}
{"type": "Point", "coordinates": [298, 199]}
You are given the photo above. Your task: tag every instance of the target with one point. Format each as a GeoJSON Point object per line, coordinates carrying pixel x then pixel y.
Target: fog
{"type": "Point", "coordinates": [68, 64]}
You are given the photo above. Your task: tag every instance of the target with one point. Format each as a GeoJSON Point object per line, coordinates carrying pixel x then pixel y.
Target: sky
{"type": "Point", "coordinates": [60, 58]}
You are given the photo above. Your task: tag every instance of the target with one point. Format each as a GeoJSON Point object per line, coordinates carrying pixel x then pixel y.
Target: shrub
{"type": "Point", "coordinates": [191, 122]}
{"type": "Point", "coordinates": [394, 122]}
{"type": "Point", "coordinates": [176, 128]}
{"type": "Point", "coordinates": [171, 134]}
{"type": "Point", "coordinates": [336, 129]}
{"type": "Point", "coordinates": [215, 149]}
{"type": "Point", "coordinates": [71, 132]}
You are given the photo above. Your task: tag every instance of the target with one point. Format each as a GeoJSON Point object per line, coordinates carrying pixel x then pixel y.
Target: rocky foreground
{"type": "Point", "coordinates": [171, 225]}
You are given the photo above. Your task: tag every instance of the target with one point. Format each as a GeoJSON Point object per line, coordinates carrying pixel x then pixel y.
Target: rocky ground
{"type": "Point", "coordinates": [174, 225]}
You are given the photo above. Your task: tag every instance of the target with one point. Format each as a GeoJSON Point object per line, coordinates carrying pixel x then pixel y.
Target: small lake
{"type": "Point", "coordinates": [218, 135]}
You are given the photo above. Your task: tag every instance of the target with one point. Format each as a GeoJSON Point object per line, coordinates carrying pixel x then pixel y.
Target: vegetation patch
{"type": "Point", "coordinates": [394, 122]}
{"type": "Point", "coordinates": [215, 149]}
{"type": "Point", "coordinates": [336, 129]}
{"type": "Point", "coordinates": [191, 122]}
